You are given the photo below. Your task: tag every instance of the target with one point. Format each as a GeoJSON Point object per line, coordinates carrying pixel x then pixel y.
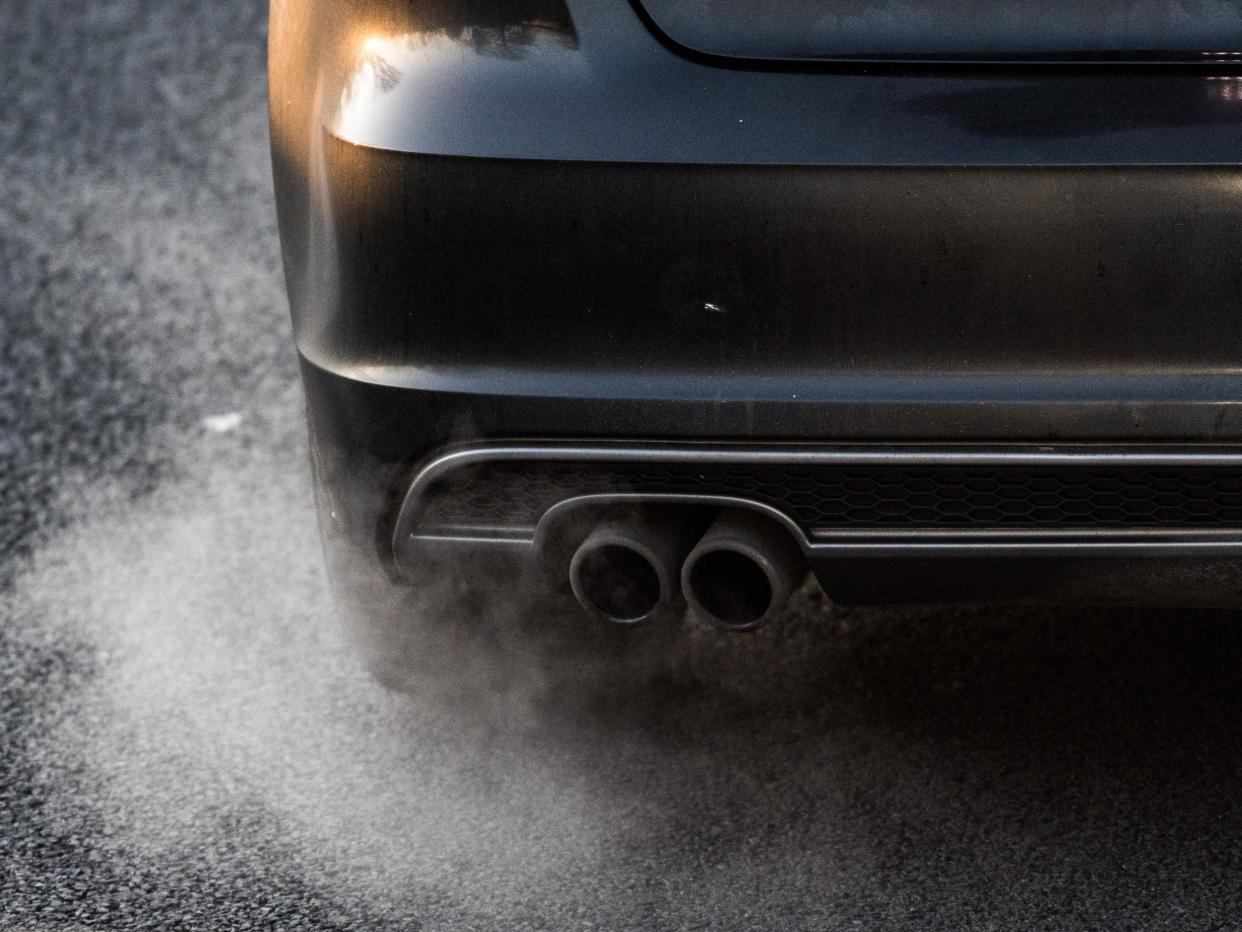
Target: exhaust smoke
{"type": "Point", "coordinates": [221, 688]}
{"type": "Point", "coordinates": [222, 719]}
{"type": "Point", "coordinates": [203, 728]}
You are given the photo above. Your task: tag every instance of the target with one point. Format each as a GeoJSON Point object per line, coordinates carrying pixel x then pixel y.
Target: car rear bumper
{"type": "Point", "coordinates": [924, 315]}
{"type": "Point", "coordinates": [376, 446]}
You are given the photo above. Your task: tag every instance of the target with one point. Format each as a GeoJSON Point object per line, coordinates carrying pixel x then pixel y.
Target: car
{"type": "Point", "coordinates": [667, 303]}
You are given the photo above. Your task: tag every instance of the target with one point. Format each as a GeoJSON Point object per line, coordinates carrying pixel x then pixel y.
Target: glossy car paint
{"type": "Point", "coordinates": [535, 220]}
{"type": "Point", "coordinates": [392, 75]}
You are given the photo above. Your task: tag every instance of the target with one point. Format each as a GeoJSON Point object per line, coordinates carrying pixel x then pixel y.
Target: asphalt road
{"type": "Point", "coordinates": [185, 741]}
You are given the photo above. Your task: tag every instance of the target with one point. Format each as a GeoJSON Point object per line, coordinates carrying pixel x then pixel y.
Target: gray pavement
{"type": "Point", "coordinates": [185, 741]}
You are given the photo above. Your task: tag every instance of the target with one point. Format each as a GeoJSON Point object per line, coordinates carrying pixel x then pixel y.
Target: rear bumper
{"type": "Point", "coordinates": [923, 311]}
{"type": "Point", "coordinates": [375, 446]}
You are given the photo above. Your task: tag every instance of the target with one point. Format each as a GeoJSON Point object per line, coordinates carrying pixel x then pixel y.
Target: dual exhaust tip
{"type": "Point", "coordinates": [737, 575]}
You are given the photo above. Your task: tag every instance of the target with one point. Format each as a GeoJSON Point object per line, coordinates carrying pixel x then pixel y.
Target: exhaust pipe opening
{"type": "Point", "coordinates": [743, 571]}
{"type": "Point", "coordinates": [627, 570]}
{"type": "Point", "coordinates": [616, 582]}
{"type": "Point", "coordinates": [731, 587]}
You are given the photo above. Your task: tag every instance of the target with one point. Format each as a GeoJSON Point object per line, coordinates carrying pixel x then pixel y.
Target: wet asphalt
{"type": "Point", "coordinates": [186, 742]}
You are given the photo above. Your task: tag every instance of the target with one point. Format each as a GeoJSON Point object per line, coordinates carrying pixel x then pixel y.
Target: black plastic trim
{"type": "Point", "coordinates": [878, 542]}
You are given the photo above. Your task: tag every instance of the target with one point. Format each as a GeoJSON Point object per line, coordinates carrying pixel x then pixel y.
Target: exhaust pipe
{"type": "Point", "coordinates": [743, 571]}
{"type": "Point", "coordinates": [626, 571]}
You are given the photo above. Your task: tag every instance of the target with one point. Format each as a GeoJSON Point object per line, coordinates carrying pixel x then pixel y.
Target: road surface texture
{"type": "Point", "coordinates": [185, 741]}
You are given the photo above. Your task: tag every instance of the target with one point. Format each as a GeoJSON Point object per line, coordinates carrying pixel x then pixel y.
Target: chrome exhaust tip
{"type": "Point", "coordinates": [627, 570]}
{"type": "Point", "coordinates": [742, 572]}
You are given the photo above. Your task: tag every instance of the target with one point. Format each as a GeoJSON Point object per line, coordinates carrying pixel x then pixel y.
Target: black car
{"type": "Point", "coordinates": [682, 298]}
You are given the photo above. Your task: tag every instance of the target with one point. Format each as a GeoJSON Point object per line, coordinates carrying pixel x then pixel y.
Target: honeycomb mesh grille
{"type": "Point", "coordinates": [835, 496]}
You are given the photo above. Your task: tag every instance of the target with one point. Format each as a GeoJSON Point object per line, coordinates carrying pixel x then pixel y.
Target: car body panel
{"type": "Point", "coordinates": [391, 75]}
